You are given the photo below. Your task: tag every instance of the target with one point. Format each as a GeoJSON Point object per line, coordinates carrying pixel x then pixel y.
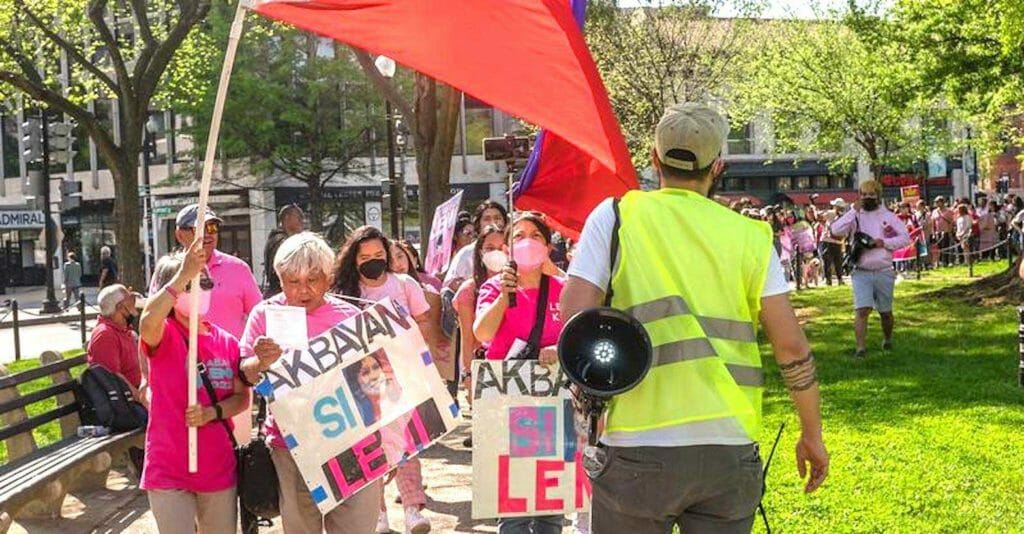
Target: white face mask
{"type": "Point", "coordinates": [495, 260]}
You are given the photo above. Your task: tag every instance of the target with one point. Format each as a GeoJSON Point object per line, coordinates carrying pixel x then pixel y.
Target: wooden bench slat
{"type": "Point", "coordinates": [39, 420]}
{"type": "Point", "coordinates": [56, 459]}
{"type": "Point", "coordinates": [40, 459]}
{"type": "Point", "coordinates": [41, 371]}
{"type": "Point", "coordinates": [36, 396]}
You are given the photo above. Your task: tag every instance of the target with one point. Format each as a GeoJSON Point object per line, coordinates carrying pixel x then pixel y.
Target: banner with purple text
{"type": "Point", "coordinates": [439, 246]}
{"type": "Point", "coordinates": [362, 400]}
{"type": "Point", "coordinates": [526, 447]}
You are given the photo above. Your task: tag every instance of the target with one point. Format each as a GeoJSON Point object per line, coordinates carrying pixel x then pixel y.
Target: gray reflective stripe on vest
{"type": "Point", "coordinates": [745, 375]}
{"type": "Point", "coordinates": [659, 309]}
{"type": "Point", "coordinates": [687, 349]}
{"type": "Point", "coordinates": [727, 329]}
{"type": "Point", "coordinates": [697, 348]}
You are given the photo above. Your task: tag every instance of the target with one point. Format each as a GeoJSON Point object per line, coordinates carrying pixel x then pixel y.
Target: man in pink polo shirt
{"type": "Point", "coordinates": [873, 278]}
{"type": "Point", "coordinates": [235, 291]}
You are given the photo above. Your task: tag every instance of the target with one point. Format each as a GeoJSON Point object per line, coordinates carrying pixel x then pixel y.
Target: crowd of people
{"type": "Point", "coordinates": [942, 234]}
{"type": "Point", "coordinates": [466, 313]}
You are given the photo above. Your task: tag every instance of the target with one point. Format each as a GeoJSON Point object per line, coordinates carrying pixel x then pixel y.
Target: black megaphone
{"type": "Point", "coordinates": [604, 352]}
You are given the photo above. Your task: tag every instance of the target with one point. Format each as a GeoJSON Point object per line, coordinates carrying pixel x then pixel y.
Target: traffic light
{"type": "Point", "coordinates": [70, 194]}
{"type": "Point", "coordinates": [32, 140]}
{"type": "Point", "coordinates": [61, 141]}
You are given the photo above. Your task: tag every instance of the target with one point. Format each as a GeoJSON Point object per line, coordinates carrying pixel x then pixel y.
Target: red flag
{"type": "Point", "coordinates": [526, 57]}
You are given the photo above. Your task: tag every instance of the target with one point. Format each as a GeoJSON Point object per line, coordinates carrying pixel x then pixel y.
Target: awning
{"type": "Point", "coordinates": [823, 199]}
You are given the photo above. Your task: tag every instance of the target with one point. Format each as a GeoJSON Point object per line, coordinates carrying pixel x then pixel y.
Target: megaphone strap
{"type": "Point", "coordinates": [614, 252]}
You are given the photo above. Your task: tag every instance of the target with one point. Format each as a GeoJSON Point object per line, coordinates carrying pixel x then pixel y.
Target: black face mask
{"type": "Point", "coordinates": [870, 204]}
{"type": "Point", "coordinates": [129, 320]}
{"type": "Point", "coordinates": [373, 269]}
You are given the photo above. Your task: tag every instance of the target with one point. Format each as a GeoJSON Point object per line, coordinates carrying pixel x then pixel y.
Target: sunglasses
{"type": "Point", "coordinates": [204, 283]}
{"type": "Point", "coordinates": [211, 228]}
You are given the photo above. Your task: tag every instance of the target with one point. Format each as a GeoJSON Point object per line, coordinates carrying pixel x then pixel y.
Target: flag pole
{"type": "Point", "coordinates": [200, 226]}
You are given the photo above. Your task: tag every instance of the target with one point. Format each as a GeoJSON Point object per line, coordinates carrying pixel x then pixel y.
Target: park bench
{"type": "Point", "coordinates": [35, 480]}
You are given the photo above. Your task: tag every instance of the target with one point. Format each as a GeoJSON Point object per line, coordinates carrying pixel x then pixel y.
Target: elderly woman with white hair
{"type": "Point", "coordinates": [304, 263]}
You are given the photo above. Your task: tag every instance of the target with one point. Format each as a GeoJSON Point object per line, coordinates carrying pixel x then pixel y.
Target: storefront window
{"type": "Point", "coordinates": [732, 184]}
{"type": "Point", "coordinates": [96, 232]}
{"type": "Point", "coordinates": [821, 182]}
{"type": "Point", "coordinates": [840, 182]}
{"type": "Point", "coordinates": [784, 183]}
{"type": "Point", "coordinates": [803, 182]}
{"type": "Point", "coordinates": [741, 139]}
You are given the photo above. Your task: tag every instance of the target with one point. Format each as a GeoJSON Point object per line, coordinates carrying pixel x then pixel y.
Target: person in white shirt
{"type": "Point", "coordinates": [461, 267]}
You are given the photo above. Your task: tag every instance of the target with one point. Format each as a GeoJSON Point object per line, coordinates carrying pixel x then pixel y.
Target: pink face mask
{"type": "Point", "coordinates": [181, 303]}
{"type": "Point", "coordinates": [529, 254]}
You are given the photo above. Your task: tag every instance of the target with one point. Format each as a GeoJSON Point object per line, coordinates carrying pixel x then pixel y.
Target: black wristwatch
{"type": "Point", "coordinates": [218, 411]}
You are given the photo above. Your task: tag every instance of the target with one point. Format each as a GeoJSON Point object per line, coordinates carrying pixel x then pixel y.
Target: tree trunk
{"type": "Point", "coordinates": [437, 113]}
{"type": "Point", "coordinates": [127, 221]}
{"type": "Point", "coordinates": [316, 205]}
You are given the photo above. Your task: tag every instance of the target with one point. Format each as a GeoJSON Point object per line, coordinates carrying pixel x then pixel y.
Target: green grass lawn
{"type": "Point", "coordinates": [50, 432]}
{"type": "Point", "coordinates": [927, 438]}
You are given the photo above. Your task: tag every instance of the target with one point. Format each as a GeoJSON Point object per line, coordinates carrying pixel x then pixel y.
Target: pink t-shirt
{"type": "Point", "coordinates": [402, 288]}
{"type": "Point", "coordinates": [166, 464]}
{"type": "Point", "coordinates": [329, 314]}
{"type": "Point", "coordinates": [235, 292]}
{"type": "Point", "coordinates": [518, 321]}
{"type": "Point", "coordinates": [465, 296]}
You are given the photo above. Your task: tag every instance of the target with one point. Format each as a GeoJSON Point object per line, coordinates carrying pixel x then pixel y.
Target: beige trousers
{"type": "Point", "coordinates": [299, 514]}
{"type": "Point", "coordinates": [180, 512]}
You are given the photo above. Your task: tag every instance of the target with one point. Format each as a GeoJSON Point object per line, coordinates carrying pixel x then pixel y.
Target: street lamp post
{"type": "Point", "coordinates": [148, 217]}
{"type": "Point", "coordinates": [386, 66]}
{"type": "Point", "coordinates": [50, 305]}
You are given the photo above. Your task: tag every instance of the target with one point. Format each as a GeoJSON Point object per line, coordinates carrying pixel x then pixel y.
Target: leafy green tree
{"type": "Point", "coordinates": [660, 54]}
{"type": "Point", "coordinates": [298, 107]}
{"type": "Point", "coordinates": [123, 50]}
{"type": "Point", "coordinates": [826, 90]}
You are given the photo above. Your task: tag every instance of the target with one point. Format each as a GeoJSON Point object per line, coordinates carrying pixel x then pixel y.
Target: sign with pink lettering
{"type": "Point", "coordinates": [439, 245]}
{"type": "Point", "coordinates": [526, 445]}
{"type": "Point", "coordinates": [364, 398]}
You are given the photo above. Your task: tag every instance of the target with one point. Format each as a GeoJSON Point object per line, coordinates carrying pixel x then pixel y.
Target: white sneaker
{"type": "Point", "coordinates": [581, 523]}
{"type": "Point", "coordinates": [382, 523]}
{"type": "Point", "coordinates": [415, 523]}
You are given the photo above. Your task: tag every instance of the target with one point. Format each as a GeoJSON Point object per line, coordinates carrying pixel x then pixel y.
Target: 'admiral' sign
{"type": "Point", "coordinates": [21, 220]}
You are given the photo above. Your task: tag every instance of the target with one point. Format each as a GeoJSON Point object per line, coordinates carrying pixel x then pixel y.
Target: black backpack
{"type": "Point", "coordinates": [105, 399]}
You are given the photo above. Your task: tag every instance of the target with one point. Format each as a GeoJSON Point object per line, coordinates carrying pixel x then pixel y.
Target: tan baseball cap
{"type": "Point", "coordinates": [690, 136]}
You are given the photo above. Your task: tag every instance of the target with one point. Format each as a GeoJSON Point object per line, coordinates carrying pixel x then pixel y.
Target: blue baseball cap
{"type": "Point", "coordinates": [188, 215]}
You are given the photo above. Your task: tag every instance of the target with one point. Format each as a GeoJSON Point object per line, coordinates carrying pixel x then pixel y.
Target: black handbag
{"type": "Point", "coordinates": [257, 484]}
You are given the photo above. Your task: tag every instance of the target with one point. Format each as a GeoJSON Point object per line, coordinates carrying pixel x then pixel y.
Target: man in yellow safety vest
{"type": "Point", "coordinates": [681, 447]}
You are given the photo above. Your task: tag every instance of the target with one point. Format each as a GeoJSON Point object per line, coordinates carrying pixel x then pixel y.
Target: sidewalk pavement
{"type": "Point", "coordinates": [30, 301]}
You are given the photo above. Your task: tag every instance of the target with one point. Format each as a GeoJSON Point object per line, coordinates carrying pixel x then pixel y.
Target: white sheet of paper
{"type": "Point", "coordinates": [286, 325]}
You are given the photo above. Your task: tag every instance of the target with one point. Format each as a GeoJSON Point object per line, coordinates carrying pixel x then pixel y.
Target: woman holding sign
{"type": "Point", "coordinates": [304, 264]}
{"type": "Point", "coordinates": [363, 272]}
{"type": "Point", "coordinates": [514, 332]}
{"type": "Point", "coordinates": [181, 500]}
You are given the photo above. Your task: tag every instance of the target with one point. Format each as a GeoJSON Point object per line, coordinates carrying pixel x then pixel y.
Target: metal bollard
{"type": "Point", "coordinates": [81, 316]}
{"type": "Point", "coordinates": [17, 333]}
{"type": "Point", "coordinates": [1020, 336]}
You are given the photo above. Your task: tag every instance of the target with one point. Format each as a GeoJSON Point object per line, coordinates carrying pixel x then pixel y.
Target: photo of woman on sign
{"type": "Point", "coordinates": [376, 391]}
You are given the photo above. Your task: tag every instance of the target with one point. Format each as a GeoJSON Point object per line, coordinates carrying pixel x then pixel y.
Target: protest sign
{"type": "Point", "coordinates": [910, 193]}
{"type": "Point", "coordinates": [364, 398]}
{"type": "Point", "coordinates": [439, 249]}
{"type": "Point", "coordinates": [526, 453]}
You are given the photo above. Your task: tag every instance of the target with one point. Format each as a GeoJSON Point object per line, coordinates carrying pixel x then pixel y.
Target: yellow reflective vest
{"type": "Point", "coordinates": [692, 271]}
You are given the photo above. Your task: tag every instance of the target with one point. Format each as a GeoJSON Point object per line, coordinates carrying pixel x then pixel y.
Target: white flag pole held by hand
{"type": "Point", "coordinates": [200, 224]}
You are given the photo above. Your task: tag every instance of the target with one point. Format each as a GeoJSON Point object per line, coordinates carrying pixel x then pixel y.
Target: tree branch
{"type": "Point", "coordinates": [192, 13]}
{"type": "Point", "coordinates": [392, 94]}
{"type": "Point", "coordinates": [104, 142]}
{"type": "Point", "coordinates": [142, 18]}
{"type": "Point", "coordinates": [72, 52]}
{"type": "Point", "coordinates": [96, 12]}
